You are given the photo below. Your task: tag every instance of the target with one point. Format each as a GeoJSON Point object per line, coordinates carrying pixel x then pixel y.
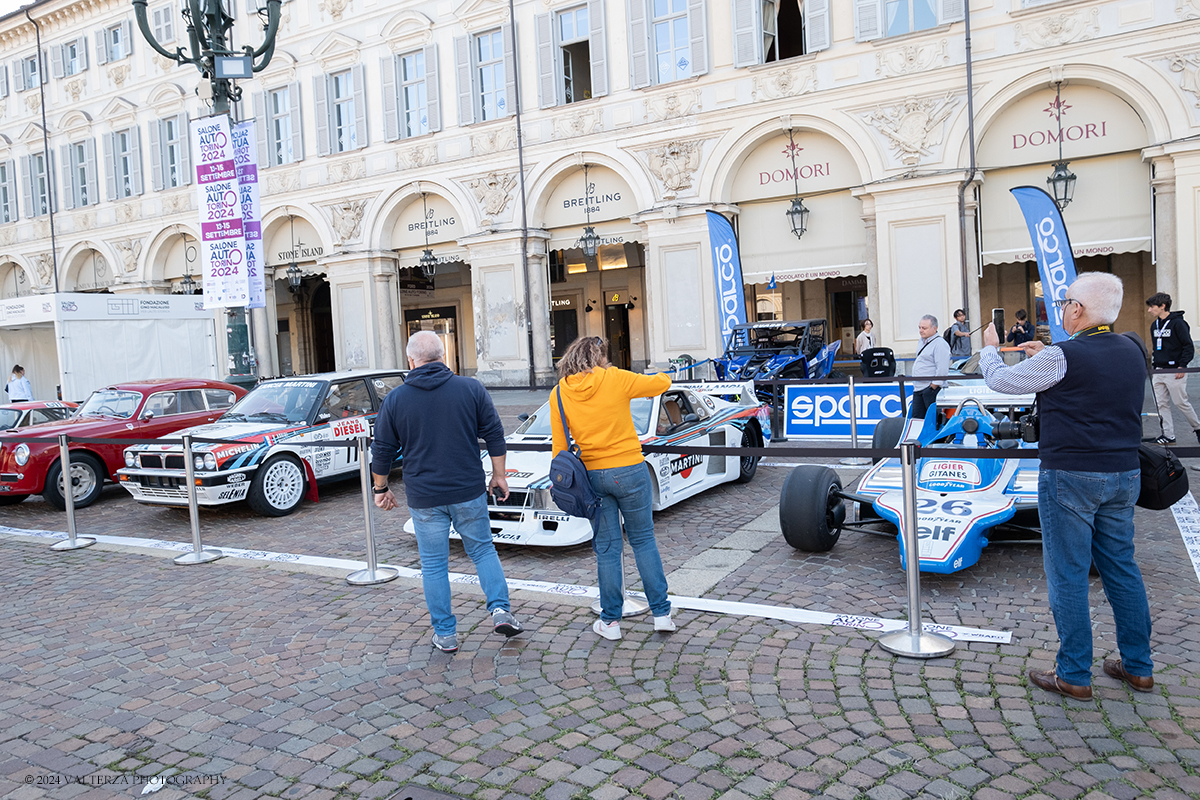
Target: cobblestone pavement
{"type": "Point", "coordinates": [242, 679]}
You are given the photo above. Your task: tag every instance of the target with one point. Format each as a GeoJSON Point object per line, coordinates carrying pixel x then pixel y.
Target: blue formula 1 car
{"type": "Point", "coordinates": [962, 502]}
{"type": "Point", "coordinates": [764, 351]}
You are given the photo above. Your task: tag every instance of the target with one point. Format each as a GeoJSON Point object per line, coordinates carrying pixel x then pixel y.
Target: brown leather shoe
{"type": "Point", "coordinates": [1115, 669]}
{"type": "Point", "coordinates": [1046, 679]}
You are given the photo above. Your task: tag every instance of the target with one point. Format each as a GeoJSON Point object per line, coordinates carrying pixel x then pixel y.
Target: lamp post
{"type": "Point", "coordinates": [1062, 180]}
{"type": "Point", "coordinates": [589, 243]}
{"type": "Point", "coordinates": [428, 260]}
{"type": "Point", "coordinates": [797, 214]}
{"type": "Point", "coordinates": [294, 275]}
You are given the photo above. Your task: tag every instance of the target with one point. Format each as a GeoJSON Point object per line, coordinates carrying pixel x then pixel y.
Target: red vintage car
{"type": "Point", "coordinates": [134, 410]}
{"type": "Point", "coordinates": [33, 412]}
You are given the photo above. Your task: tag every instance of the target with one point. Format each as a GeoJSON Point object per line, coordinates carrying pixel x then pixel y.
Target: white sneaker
{"type": "Point", "coordinates": [665, 624]}
{"type": "Point", "coordinates": [607, 630]}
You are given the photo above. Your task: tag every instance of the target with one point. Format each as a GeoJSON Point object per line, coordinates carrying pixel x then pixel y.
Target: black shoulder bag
{"type": "Point", "coordinates": [1164, 478]}
{"type": "Point", "coordinates": [570, 488]}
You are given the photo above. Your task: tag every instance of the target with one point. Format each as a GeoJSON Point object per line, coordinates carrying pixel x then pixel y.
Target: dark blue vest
{"type": "Point", "coordinates": [1091, 420]}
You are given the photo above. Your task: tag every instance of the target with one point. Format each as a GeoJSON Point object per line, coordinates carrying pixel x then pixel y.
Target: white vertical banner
{"type": "Point", "coordinates": [245, 158]}
{"type": "Point", "coordinates": [222, 243]}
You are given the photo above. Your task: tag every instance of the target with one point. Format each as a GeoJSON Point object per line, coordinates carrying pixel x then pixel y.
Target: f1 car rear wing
{"type": "Point", "coordinates": [742, 390]}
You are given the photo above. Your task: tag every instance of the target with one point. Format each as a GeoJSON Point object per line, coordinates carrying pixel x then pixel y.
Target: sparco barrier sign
{"type": "Point", "coordinates": [822, 411]}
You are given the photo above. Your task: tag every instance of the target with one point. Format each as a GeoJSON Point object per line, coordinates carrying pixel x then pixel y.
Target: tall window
{"type": "Point", "coordinates": [574, 42]}
{"type": "Point", "coordinates": [906, 16]}
{"type": "Point", "coordinates": [414, 98]}
{"type": "Point", "coordinates": [342, 106]}
{"type": "Point", "coordinates": [30, 71]}
{"type": "Point", "coordinates": [172, 155]}
{"type": "Point", "coordinates": [672, 47]}
{"type": "Point", "coordinates": [79, 174]}
{"type": "Point", "coordinates": [280, 125]}
{"type": "Point", "coordinates": [123, 150]}
{"type": "Point", "coordinates": [79, 187]}
{"type": "Point", "coordinates": [38, 185]}
{"type": "Point", "coordinates": [72, 55]}
{"type": "Point", "coordinates": [123, 163]}
{"type": "Point", "coordinates": [772, 30]}
{"type": "Point", "coordinates": [278, 129]}
{"type": "Point", "coordinates": [114, 39]}
{"type": "Point", "coordinates": [8, 200]}
{"type": "Point", "coordinates": [489, 67]}
{"type": "Point", "coordinates": [571, 54]}
{"type": "Point", "coordinates": [162, 20]}
{"type": "Point", "coordinates": [876, 18]}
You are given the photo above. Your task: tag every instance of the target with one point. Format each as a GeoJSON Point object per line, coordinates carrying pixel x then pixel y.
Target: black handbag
{"type": "Point", "coordinates": [570, 488]}
{"type": "Point", "coordinates": [1164, 478]}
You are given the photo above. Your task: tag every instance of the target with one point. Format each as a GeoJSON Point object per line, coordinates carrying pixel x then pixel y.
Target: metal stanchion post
{"type": "Point", "coordinates": [373, 574]}
{"type": "Point", "coordinates": [914, 642]}
{"type": "Point", "coordinates": [632, 606]}
{"type": "Point", "coordinates": [854, 429]}
{"type": "Point", "coordinates": [198, 555]}
{"type": "Point", "coordinates": [72, 542]}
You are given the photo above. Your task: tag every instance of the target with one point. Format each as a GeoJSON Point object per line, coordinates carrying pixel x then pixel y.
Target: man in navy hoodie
{"type": "Point", "coordinates": [1173, 349]}
{"type": "Point", "coordinates": [437, 419]}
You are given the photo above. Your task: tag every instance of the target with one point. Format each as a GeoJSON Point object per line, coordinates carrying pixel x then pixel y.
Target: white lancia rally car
{"type": "Point", "coordinates": [267, 454]}
{"type": "Point", "coordinates": [686, 415]}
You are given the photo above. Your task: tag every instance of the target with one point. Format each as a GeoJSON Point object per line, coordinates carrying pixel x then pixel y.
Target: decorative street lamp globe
{"type": "Point", "coordinates": [589, 243]}
{"type": "Point", "coordinates": [187, 284]}
{"type": "Point", "coordinates": [428, 263]}
{"type": "Point", "coordinates": [798, 216]}
{"type": "Point", "coordinates": [293, 276]}
{"type": "Point", "coordinates": [1062, 184]}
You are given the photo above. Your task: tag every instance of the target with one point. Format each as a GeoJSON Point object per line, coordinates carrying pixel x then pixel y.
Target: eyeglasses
{"type": "Point", "coordinates": [1063, 303]}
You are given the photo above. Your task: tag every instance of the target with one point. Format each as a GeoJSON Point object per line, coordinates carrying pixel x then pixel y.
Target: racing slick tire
{"type": "Point", "coordinates": [87, 479]}
{"type": "Point", "coordinates": [749, 464]}
{"type": "Point", "coordinates": [11, 499]}
{"type": "Point", "coordinates": [887, 434]}
{"type": "Point", "coordinates": [278, 487]}
{"type": "Point", "coordinates": [810, 511]}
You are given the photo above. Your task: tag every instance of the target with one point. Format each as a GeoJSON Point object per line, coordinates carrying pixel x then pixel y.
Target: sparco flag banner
{"type": "Point", "coordinates": [222, 246]}
{"type": "Point", "coordinates": [727, 269]}
{"type": "Point", "coordinates": [245, 158]}
{"type": "Point", "coordinates": [1055, 263]}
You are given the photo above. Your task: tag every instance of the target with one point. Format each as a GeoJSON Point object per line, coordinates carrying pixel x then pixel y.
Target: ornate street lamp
{"type": "Point", "coordinates": [589, 243]}
{"type": "Point", "coordinates": [797, 214]}
{"type": "Point", "coordinates": [208, 25]}
{"type": "Point", "coordinates": [1062, 181]}
{"type": "Point", "coordinates": [293, 269]}
{"type": "Point", "coordinates": [428, 260]}
{"type": "Point", "coordinates": [188, 285]}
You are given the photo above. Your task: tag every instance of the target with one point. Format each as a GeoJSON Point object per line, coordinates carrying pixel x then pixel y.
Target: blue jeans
{"type": "Point", "coordinates": [1087, 517]}
{"type": "Point", "coordinates": [433, 542]}
{"type": "Point", "coordinates": [625, 491]}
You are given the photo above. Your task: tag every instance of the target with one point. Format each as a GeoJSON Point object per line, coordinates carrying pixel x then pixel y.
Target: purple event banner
{"type": "Point", "coordinates": [222, 242]}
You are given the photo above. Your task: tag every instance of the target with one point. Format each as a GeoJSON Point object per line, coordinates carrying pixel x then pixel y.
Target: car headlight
{"type": "Point", "coordinates": [198, 462]}
{"type": "Point", "coordinates": [130, 458]}
{"type": "Point", "coordinates": [21, 454]}
{"type": "Point", "coordinates": [210, 461]}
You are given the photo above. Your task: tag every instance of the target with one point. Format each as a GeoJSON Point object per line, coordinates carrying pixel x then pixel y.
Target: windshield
{"type": "Point", "coordinates": [9, 417]}
{"type": "Point", "coordinates": [110, 403]}
{"type": "Point", "coordinates": [285, 401]}
{"type": "Point", "coordinates": [538, 423]}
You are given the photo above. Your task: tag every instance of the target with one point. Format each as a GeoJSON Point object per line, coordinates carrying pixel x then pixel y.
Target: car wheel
{"type": "Point", "coordinates": [810, 511]}
{"type": "Point", "coordinates": [749, 464]}
{"type": "Point", "coordinates": [87, 479]}
{"type": "Point", "coordinates": [278, 487]}
{"type": "Point", "coordinates": [11, 499]}
{"type": "Point", "coordinates": [887, 434]}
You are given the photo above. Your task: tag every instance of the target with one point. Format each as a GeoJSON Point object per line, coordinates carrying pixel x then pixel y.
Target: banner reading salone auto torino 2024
{"type": "Point", "coordinates": [222, 242]}
{"type": "Point", "coordinates": [245, 158]}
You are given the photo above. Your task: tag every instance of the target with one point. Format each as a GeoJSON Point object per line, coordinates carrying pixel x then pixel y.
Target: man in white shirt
{"type": "Point", "coordinates": [19, 389]}
{"type": "Point", "coordinates": [933, 358]}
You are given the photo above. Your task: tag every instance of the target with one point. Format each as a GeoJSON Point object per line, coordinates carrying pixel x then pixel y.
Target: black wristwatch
{"type": "Point", "coordinates": [379, 489]}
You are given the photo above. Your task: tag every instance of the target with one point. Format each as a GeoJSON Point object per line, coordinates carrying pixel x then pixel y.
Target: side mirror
{"type": "Point", "coordinates": [324, 416]}
{"type": "Point", "coordinates": [689, 418]}
{"type": "Point", "coordinates": [522, 417]}
{"type": "Point", "coordinates": [147, 415]}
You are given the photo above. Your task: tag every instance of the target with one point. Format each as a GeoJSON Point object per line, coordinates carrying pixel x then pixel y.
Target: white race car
{"type": "Point", "coordinates": [687, 415]}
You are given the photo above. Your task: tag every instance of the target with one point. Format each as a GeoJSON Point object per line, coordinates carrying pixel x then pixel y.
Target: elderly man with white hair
{"type": "Point", "coordinates": [436, 420]}
{"type": "Point", "coordinates": [1090, 390]}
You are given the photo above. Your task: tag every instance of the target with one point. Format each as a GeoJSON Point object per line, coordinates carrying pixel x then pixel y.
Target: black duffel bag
{"type": "Point", "coordinates": [1164, 478]}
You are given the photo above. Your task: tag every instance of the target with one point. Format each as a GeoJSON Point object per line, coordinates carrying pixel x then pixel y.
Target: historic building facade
{"type": "Point", "coordinates": [390, 127]}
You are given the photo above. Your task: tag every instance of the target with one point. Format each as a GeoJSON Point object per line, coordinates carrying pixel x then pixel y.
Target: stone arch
{"type": "Point", "coordinates": [388, 210]}
{"type": "Point", "coordinates": [313, 238]}
{"type": "Point", "coordinates": [167, 258]}
{"type": "Point", "coordinates": [543, 182]}
{"type": "Point", "coordinates": [83, 271]}
{"type": "Point", "coordinates": [16, 279]}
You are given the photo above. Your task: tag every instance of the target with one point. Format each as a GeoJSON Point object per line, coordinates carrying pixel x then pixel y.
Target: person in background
{"type": "Point", "coordinates": [1022, 330]}
{"type": "Point", "coordinates": [960, 336]}
{"type": "Point", "coordinates": [865, 340]}
{"type": "Point", "coordinates": [933, 358]}
{"type": "Point", "coordinates": [1173, 349]}
{"type": "Point", "coordinates": [19, 389]}
{"type": "Point", "coordinates": [595, 397]}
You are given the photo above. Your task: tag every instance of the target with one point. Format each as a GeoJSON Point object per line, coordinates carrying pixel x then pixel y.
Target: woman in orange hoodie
{"type": "Point", "coordinates": [595, 397]}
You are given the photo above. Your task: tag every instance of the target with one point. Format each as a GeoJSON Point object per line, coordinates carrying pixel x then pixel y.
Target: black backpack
{"type": "Point", "coordinates": [949, 332]}
{"type": "Point", "coordinates": [570, 488]}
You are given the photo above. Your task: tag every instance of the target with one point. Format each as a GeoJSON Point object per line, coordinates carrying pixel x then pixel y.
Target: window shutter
{"type": "Point", "coordinates": [320, 87]}
{"type": "Point", "coordinates": [81, 52]}
{"type": "Point", "coordinates": [135, 159]}
{"type": "Point", "coordinates": [93, 190]}
{"type": "Point", "coordinates": [70, 190]}
{"type": "Point", "coordinates": [598, 48]}
{"type": "Point", "coordinates": [43, 67]}
{"type": "Point", "coordinates": [747, 32]}
{"type": "Point", "coordinates": [56, 60]}
{"type": "Point", "coordinates": [110, 167]}
{"type": "Point", "coordinates": [466, 86]}
{"type": "Point", "coordinates": [27, 189]}
{"type": "Point", "coordinates": [950, 11]}
{"type": "Point", "coordinates": [18, 70]}
{"type": "Point", "coordinates": [297, 129]}
{"type": "Point", "coordinates": [164, 27]}
{"type": "Point", "coordinates": [252, 6]}
{"type": "Point", "coordinates": [127, 38]}
{"type": "Point", "coordinates": [433, 97]}
{"type": "Point", "coordinates": [185, 149]}
{"type": "Point", "coordinates": [543, 36]}
{"type": "Point", "coordinates": [158, 155]}
{"type": "Point", "coordinates": [698, 31]}
{"type": "Point", "coordinates": [816, 25]}
{"type": "Point", "coordinates": [262, 126]}
{"type": "Point", "coordinates": [391, 122]}
{"type": "Point", "coordinates": [10, 186]}
{"type": "Point", "coordinates": [639, 44]}
{"type": "Point", "coordinates": [510, 71]}
{"type": "Point", "coordinates": [3, 80]}
{"type": "Point", "coordinates": [868, 19]}
{"type": "Point", "coordinates": [360, 104]}
{"type": "Point", "coordinates": [101, 48]}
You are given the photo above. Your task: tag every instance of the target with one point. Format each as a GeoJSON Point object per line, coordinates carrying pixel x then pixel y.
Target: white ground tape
{"type": "Point", "coordinates": [812, 464]}
{"type": "Point", "coordinates": [692, 603]}
{"type": "Point", "coordinates": [1187, 517]}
